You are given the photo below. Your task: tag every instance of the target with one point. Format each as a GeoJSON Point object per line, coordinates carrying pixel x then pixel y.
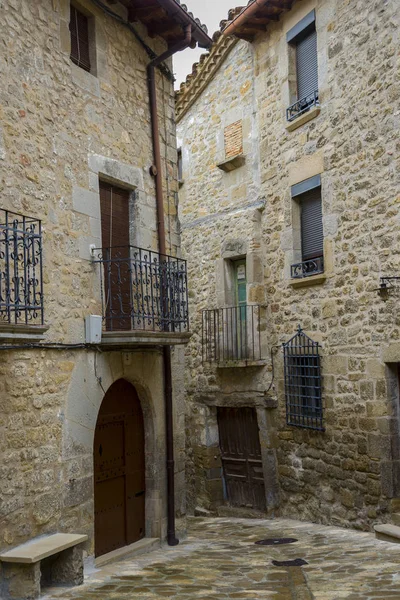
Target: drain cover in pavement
{"type": "Point", "coordinates": [276, 541]}
{"type": "Point", "coordinates": [297, 562]}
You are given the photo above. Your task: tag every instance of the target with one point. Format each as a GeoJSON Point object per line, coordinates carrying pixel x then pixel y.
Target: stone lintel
{"type": "Point", "coordinates": [304, 118]}
{"type": "Point", "coordinates": [232, 163]}
{"type": "Point", "coordinates": [391, 354]}
{"type": "Point", "coordinates": [218, 398]}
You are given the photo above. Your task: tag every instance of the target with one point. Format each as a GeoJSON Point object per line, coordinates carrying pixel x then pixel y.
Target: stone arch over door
{"type": "Point", "coordinates": [84, 399]}
{"type": "Point", "coordinates": [119, 469]}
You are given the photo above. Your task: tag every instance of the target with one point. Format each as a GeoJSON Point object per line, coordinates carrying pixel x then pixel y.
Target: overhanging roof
{"type": "Point", "coordinates": [167, 19]}
{"type": "Point", "coordinates": [256, 17]}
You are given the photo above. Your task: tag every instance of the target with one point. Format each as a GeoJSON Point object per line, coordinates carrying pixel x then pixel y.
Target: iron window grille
{"type": "Point", "coordinates": [79, 28]}
{"type": "Point", "coordinates": [231, 334]}
{"type": "Point", "coordinates": [303, 382]}
{"type": "Point", "coordinates": [142, 290]}
{"type": "Point", "coordinates": [302, 106]}
{"type": "Point", "coordinates": [21, 270]}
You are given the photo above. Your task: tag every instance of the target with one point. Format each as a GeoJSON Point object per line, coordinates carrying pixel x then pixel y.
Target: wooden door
{"type": "Point", "coordinates": [241, 457]}
{"type": "Point", "coordinates": [119, 470]}
{"type": "Point", "coordinates": [114, 205]}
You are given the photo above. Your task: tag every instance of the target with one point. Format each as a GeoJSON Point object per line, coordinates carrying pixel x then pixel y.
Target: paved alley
{"type": "Point", "coordinates": [220, 560]}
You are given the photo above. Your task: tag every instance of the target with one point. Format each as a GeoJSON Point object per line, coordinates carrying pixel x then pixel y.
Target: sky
{"type": "Point", "coordinates": [210, 12]}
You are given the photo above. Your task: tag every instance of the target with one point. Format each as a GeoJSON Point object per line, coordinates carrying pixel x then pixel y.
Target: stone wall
{"type": "Point", "coordinates": [347, 475]}
{"type": "Point", "coordinates": [61, 129]}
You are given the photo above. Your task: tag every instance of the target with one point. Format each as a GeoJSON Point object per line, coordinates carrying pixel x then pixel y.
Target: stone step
{"type": "Point", "coordinates": [388, 533]}
{"type": "Point", "coordinates": [143, 546]}
{"type": "Point", "coordinates": [396, 519]}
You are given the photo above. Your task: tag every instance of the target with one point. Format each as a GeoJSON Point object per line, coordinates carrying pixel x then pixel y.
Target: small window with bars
{"type": "Point", "coordinates": [303, 382]}
{"type": "Point", "coordinates": [303, 37]}
{"type": "Point", "coordinates": [80, 42]}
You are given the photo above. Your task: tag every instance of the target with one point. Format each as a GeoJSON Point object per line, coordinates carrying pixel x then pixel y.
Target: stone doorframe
{"type": "Point", "coordinates": [264, 405]}
{"type": "Point", "coordinates": [143, 369]}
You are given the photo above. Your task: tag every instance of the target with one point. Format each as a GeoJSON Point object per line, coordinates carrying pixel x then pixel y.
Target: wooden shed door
{"type": "Point", "coordinates": [241, 457]}
{"type": "Point", "coordinates": [119, 470]}
{"type": "Point", "coordinates": [114, 204]}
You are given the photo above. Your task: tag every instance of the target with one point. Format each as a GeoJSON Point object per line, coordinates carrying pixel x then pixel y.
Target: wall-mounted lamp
{"type": "Point", "coordinates": [385, 286]}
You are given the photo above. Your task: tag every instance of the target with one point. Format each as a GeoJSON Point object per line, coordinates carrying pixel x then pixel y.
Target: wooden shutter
{"type": "Point", "coordinates": [312, 236]}
{"type": "Point", "coordinates": [114, 205]}
{"type": "Point", "coordinates": [79, 28]}
{"type": "Point", "coordinates": [307, 65]}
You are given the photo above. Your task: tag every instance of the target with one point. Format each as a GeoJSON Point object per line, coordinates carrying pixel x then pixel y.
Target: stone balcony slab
{"type": "Point", "coordinates": [127, 339]}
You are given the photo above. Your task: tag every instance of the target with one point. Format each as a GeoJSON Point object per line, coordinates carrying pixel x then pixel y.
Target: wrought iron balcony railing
{"type": "Point", "coordinates": [142, 290]}
{"type": "Point", "coordinates": [301, 106]}
{"type": "Point", "coordinates": [21, 280]}
{"type": "Point", "coordinates": [231, 334]}
{"type": "Point", "coordinates": [308, 268]}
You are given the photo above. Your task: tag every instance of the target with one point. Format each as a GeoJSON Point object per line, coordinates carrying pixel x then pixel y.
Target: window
{"type": "Point", "coordinates": [303, 382]}
{"type": "Point", "coordinates": [303, 37]}
{"type": "Point", "coordinates": [308, 197]}
{"type": "Point", "coordinates": [79, 28]}
{"type": "Point", "coordinates": [180, 167]}
{"type": "Point", "coordinates": [21, 282]}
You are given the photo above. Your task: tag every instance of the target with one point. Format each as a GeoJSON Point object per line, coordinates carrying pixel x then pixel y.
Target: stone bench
{"type": "Point", "coordinates": [49, 560]}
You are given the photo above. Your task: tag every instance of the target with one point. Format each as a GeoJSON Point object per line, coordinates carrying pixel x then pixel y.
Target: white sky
{"type": "Point", "coordinates": [210, 12]}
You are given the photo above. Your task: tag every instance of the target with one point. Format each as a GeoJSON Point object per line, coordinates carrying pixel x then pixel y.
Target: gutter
{"type": "Point", "coordinates": [180, 14]}
{"type": "Point", "coordinates": [157, 173]}
{"type": "Point", "coordinates": [244, 16]}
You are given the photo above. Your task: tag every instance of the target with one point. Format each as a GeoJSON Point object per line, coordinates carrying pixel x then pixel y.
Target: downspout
{"type": "Point", "coordinates": [157, 173]}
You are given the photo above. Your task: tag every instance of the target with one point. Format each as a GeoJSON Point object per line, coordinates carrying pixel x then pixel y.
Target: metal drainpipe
{"type": "Point", "coordinates": [157, 172]}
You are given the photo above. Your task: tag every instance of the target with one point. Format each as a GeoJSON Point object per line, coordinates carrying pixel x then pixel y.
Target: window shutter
{"type": "Point", "coordinates": [307, 65]}
{"type": "Point", "coordinates": [79, 28]}
{"type": "Point", "coordinates": [312, 236]}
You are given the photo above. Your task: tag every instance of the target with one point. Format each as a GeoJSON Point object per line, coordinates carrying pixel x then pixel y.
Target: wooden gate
{"type": "Point", "coordinates": [241, 457]}
{"type": "Point", "coordinates": [119, 470]}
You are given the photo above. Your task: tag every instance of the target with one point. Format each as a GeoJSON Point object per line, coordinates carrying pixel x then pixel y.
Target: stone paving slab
{"type": "Point", "coordinates": [219, 560]}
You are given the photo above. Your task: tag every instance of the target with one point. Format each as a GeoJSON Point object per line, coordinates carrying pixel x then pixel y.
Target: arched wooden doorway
{"type": "Point", "coordinates": [119, 470]}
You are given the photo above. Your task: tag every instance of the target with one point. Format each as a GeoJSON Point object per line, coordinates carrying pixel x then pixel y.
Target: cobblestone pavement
{"type": "Point", "coordinates": [220, 560]}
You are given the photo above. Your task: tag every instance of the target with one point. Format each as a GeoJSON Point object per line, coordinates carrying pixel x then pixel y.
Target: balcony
{"type": "Point", "coordinates": [144, 297]}
{"type": "Point", "coordinates": [231, 337]}
{"type": "Point", "coordinates": [21, 280]}
{"type": "Point", "coordinates": [301, 106]}
{"type": "Point", "coordinates": [307, 268]}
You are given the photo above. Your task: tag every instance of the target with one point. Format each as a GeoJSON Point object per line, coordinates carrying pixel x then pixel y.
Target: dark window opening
{"type": "Point", "coordinates": [303, 382]}
{"type": "Point", "coordinates": [180, 167]}
{"type": "Point", "coordinates": [304, 38]}
{"type": "Point", "coordinates": [79, 28]}
{"type": "Point", "coordinates": [312, 235]}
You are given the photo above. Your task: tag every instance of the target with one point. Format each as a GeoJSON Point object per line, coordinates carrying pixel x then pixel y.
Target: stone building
{"type": "Point", "coordinates": [289, 205]}
{"type": "Point", "coordinates": [84, 188]}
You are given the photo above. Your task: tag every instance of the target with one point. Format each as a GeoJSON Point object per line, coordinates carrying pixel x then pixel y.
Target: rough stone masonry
{"type": "Point", "coordinates": [61, 130]}
{"type": "Point", "coordinates": [349, 474]}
